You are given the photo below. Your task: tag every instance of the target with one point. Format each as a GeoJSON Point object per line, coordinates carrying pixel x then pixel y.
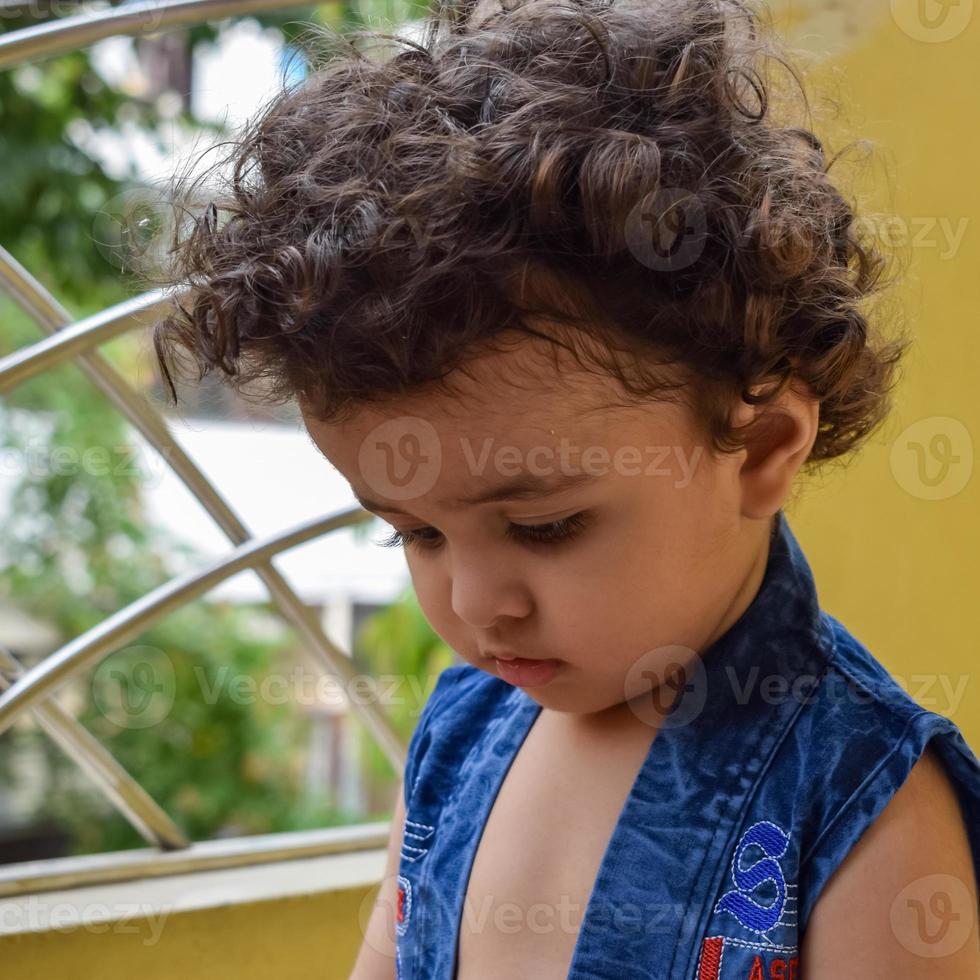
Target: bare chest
{"type": "Point", "coordinates": [541, 848]}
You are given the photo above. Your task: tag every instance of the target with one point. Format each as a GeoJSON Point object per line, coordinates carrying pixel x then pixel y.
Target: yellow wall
{"type": "Point", "coordinates": [304, 937]}
{"type": "Point", "coordinates": [896, 555]}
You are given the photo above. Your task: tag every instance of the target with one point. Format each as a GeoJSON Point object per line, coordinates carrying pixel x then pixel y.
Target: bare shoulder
{"type": "Point", "coordinates": [904, 901]}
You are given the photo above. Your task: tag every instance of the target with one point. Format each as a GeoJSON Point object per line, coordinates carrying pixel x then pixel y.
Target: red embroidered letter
{"type": "Point", "coordinates": [711, 958]}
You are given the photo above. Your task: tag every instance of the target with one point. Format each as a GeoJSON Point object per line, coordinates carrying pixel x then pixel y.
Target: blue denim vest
{"type": "Point", "coordinates": [788, 747]}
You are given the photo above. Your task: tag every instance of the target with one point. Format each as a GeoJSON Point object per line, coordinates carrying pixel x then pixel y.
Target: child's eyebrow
{"type": "Point", "coordinates": [525, 486]}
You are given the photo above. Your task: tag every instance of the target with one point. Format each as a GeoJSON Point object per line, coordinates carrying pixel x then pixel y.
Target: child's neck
{"type": "Point", "coordinates": [757, 557]}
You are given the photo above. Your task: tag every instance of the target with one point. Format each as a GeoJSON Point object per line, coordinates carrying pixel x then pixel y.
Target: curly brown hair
{"type": "Point", "coordinates": [614, 169]}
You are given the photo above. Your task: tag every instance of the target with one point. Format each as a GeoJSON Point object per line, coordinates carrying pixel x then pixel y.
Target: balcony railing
{"type": "Point", "coordinates": [31, 690]}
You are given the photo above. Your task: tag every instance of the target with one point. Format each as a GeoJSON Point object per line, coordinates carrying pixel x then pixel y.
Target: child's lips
{"type": "Point", "coordinates": [510, 657]}
{"type": "Point", "coordinates": [527, 672]}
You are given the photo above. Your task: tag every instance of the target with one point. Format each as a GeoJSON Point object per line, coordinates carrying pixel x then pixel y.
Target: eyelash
{"type": "Point", "coordinates": [552, 533]}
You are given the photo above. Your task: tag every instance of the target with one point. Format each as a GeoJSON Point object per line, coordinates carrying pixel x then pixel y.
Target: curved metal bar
{"type": "Point", "coordinates": [126, 794]}
{"type": "Point", "coordinates": [143, 16]}
{"type": "Point", "coordinates": [44, 678]}
{"type": "Point", "coordinates": [72, 340]}
{"type": "Point", "coordinates": [46, 310]}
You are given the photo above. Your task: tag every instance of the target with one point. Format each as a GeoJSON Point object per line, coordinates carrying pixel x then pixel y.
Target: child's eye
{"type": "Point", "coordinates": [555, 532]}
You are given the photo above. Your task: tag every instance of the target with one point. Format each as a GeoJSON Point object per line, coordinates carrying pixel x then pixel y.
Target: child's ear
{"type": "Point", "coordinates": [777, 446]}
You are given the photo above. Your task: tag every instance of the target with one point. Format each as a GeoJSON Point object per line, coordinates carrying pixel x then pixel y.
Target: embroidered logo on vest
{"type": "Point", "coordinates": [751, 904]}
{"type": "Point", "coordinates": [771, 963]}
{"type": "Point", "coordinates": [414, 840]}
{"type": "Point", "coordinates": [751, 914]}
{"type": "Point", "coordinates": [403, 911]}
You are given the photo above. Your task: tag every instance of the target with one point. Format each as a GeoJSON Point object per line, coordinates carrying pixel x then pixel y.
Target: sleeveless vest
{"type": "Point", "coordinates": [767, 770]}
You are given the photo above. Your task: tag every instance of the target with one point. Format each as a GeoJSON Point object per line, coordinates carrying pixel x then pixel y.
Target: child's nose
{"type": "Point", "coordinates": [486, 587]}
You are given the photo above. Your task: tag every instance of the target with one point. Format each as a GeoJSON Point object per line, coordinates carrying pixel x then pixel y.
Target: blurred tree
{"type": "Point", "coordinates": [76, 544]}
{"type": "Point", "coordinates": [397, 643]}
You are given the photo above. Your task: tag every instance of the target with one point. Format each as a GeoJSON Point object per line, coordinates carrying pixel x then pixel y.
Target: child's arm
{"type": "Point", "coordinates": [868, 922]}
{"type": "Point", "coordinates": [376, 960]}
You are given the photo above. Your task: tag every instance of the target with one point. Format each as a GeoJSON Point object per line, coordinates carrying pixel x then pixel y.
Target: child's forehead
{"type": "Point", "coordinates": [524, 383]}
{"type": "Point", "coordinates": [587, 408]}
{"type": "Point", "coordinates": [460, 456]}
{"type": "Point", "coordinates": [524, 405]}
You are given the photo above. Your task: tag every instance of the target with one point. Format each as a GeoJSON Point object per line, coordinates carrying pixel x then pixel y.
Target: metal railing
{"type": "Point", "coordinates": [33, 690]}
{"type": "Point", "coordinates": [143, 16]}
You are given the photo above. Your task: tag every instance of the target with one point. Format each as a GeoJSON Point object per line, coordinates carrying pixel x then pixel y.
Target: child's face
{"type": "Point", "coordinates": [661, 553]}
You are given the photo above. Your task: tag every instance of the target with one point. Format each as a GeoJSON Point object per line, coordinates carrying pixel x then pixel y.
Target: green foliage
{"type": "Point", "coordinates": [217, 756]}
{"type": "Point", "coordinates": [79, 547]}
{"type": "Point", "coordinates": [76, 545]}
{"type": "Point", "coordinates": [398, 647]}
